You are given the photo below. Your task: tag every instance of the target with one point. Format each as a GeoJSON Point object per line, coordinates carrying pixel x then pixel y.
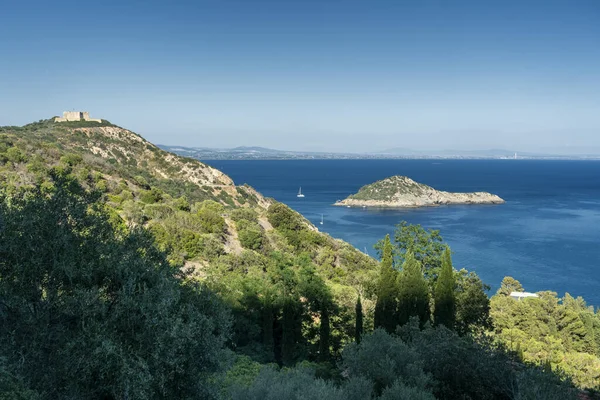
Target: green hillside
{"type": "Point", "coordinates": [127, 272]}
{"type": "Point", "coordinates": [386, 189]}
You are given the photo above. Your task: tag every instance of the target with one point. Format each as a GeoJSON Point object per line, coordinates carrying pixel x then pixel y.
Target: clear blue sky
{"type": "Point", "coordinates": [312, 74]}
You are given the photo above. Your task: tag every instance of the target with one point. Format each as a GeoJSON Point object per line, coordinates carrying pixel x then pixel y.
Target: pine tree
{"type": "Point", "coordinates": [358, 330]}
{"type": "Point", "coordinates": [413, 292]}
{"type": "Point", "coordinates": [385, 308]}
{"type": "Point", "coordinates": [445, 301]}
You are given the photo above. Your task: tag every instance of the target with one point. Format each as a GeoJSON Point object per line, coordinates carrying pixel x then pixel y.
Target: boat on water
{"type": "Point", "coordinates": [300, 192]}
{"type": "Point", "coordinates": [321, 219]}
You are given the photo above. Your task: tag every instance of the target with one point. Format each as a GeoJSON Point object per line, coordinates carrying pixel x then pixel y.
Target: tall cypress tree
{"type": "Point", "coordinates": [324, 331]}
{"type": "Point", "coordinates": [444, 296]}
{"type": "Point", "coordinates": [385, 308]}
{"type": "Point", "coordinates": [291, 325]}
{"type": "Point", "coordinates": [358, 329]}
{"type": "Point", "coordinates": [413, 291]}
{"type": "Point", "coordinates": [267, 328]}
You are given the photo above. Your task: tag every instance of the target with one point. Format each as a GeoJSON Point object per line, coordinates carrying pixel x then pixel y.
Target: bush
{"type": "Point", "coordinates": [283, 218]}
{"type": "Point", "coordinates": [384, 359]}
{"type": "Point", "coordinates": [112, 319]}
{"type": "Point", "coordinates": [290, 384]}
{"type": "Point", "coordinates": [151, 196]}
{"type": "Point", "coordinates": [243, 213]}
{"type": "Point", "coordinates": [251, 238]}
{"type": "Point", "coordinates": [15, 155]}
{"type": "Point", "coordinates": [210, 218]}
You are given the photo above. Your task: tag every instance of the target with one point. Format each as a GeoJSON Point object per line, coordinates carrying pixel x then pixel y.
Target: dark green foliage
{"type": "Point", "coordinates": [324, 333]}
{"type": "Point", "coordinates": [358, 328]}
{"type": "Point", "coordinates": [444, 300]}
{"type": "Point", "coordinates": [464, 368]}
{"type": "Point", "coordinates": [12, 388]}
{"type": "Point", "coordinates": [413, 292]}
{"type": "Point", "coordinates": [387, 291]}
{"type": "Point", "coordinates": [291, 331]}
{"type": "Point", "coordinates": [294, 384]}
{"type": "Point", "coordinates": [117, 320]}
{"type": "Point", "coordinates": [472, 303]}
{"type": "Point", "coordinates": [251, 238]}
{"type": "Point", "coordinates": [384, 359]}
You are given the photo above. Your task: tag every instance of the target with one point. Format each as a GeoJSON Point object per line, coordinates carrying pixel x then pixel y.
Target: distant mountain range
{"type": "Point", "coordinates": [263, 153]}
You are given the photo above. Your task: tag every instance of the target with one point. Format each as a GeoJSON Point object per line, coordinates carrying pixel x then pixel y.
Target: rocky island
{"type": "Point", "coordinates": [401, 191]}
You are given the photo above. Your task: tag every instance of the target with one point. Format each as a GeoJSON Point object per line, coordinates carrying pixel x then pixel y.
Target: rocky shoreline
{"type": "Point", "coordinates": [403, 192]}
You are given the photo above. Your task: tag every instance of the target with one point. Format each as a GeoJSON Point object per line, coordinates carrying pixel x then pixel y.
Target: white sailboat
{"type": "Point", "coordinates": [321, 219]}
{"type": "Point", "coordinates": [300, 192]}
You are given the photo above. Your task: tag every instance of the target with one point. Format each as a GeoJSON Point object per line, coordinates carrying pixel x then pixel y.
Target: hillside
{"type": "Point", "coordinates": [131, 172]}
{"type": "Point", "coordinates": [119, 153]}
{"type": "Point", "coordinates": [401, 191]}
{"type": "Point", "coordinates": [149, 275]}
{"type": "Point", "coordinates": [195, 212]}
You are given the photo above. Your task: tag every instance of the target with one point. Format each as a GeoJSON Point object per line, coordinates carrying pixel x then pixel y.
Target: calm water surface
{"type": "Point", "coordinates": [547, 235]}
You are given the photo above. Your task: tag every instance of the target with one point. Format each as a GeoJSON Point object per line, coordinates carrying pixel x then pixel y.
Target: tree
{"type": "Point", "coordinates": [385, 308]}
{"type": "Point", "coordinates": [426, 246]}
{"type": "Point", "coordinates": [319, 300]}
{"type": "Point", "coordinates": [324, 332]}
{"type": "Point", "coordinates": [413, 294]}
{"type": "Point", "coordinates": [358, 329]}
{"type": "Point", "coordinates": [508, 285]}
{"type": "Point", "coordinates": [291, 330]}
{"type": "Point", "coordinates": [445, 302]}
{"type": "Point", "coordinates": [90, 311]}
{"type": "Point", "coordinates": [472, 303]}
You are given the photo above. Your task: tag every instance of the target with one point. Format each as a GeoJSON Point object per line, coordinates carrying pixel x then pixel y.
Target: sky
{"type": "Point", "coordinates": [319, 75]}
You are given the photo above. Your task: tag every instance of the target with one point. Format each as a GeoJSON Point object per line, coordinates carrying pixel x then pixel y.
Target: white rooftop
{"type": "Point", "coordinates": [521, 295]}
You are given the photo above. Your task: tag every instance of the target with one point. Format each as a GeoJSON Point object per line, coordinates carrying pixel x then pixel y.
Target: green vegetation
{"type": "Point", "coordinates": [386, 189]}
{"type": "Point", "coordinates": [152, 277]}
{"type": "Point", "coordinates": [387, 290]}
{"type": "Point", "coordinates": [561, 334]}
{"type": "Point", "coordinates": [89, 310]}
{"type": "Point", "coordinates": [444, 296]}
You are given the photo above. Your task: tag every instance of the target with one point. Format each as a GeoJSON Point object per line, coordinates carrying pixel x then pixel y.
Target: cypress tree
{"type": "Point", "coordinates": [267, 320]}
{"type": "Point", "coordinates": [413, 291]}
{"type": "Point", "coordinates": [324, 331]}
{"type": "Point", "coordinates": [358, 329]}
{"type": "Point", "coordinates": [444, 297]}
{"type": "Point", "coordinates": [291, 326]}
{"type": "Point", "coordinates": [385, 308]}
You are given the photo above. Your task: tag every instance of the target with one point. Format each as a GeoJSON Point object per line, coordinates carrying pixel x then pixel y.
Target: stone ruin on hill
{"type": "Point", "coordinates": [76, 116]}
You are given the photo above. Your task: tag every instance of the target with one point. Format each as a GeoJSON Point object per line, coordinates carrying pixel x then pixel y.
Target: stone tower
{"type": "Point", "coordinates": [76, 116]}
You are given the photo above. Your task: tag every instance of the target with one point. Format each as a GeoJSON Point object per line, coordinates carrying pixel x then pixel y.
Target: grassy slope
{"type": "Point", "coordinates": [145, 185]}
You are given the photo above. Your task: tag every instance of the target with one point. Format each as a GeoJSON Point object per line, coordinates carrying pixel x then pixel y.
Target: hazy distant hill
{"type": "Point", "coordinates": [263, 153]}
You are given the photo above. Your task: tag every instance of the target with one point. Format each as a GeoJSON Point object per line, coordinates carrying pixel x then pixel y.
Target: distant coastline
{"type": "Point", "coordinates": [261, 153]}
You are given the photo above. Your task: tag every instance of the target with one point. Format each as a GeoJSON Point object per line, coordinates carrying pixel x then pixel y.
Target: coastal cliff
{"type": "Point", "coordinates": [402, 192]}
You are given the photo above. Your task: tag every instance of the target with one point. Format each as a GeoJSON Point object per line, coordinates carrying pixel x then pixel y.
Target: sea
{"type": "Point", "coordinates": [546, 235]}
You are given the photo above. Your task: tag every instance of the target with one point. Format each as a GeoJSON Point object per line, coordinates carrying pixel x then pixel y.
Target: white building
{"type": "Point", "coordinates": [522, 295]}
{"type": "Point", "coordinates": [76, 116]}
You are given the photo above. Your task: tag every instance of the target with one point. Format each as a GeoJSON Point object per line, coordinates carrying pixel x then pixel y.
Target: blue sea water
{"type": "Point", "coordinates": [546, 235]}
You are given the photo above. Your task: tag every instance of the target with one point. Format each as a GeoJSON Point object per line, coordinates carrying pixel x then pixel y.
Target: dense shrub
{"type": "Point", "coordinates": [117, 321]}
